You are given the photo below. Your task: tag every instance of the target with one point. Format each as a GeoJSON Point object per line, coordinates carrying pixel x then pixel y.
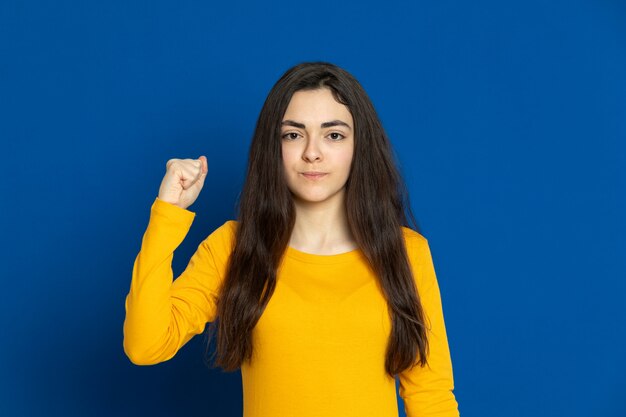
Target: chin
{"type": "Point", "coordinates": [309, 199]}
{"type": "Point", "coordinates": [314, 198]}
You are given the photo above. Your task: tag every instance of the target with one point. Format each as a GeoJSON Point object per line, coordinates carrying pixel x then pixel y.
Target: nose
{"type": "Point", "coordinates": [312, 151]}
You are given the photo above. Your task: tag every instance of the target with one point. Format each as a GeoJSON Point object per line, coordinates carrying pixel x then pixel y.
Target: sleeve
{"type": "Point", "coordinates": [163, 314]}
{"type": "Point", "coordinates": [428, 391]}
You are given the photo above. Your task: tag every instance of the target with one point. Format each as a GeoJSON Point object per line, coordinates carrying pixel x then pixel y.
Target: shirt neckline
{"type": "Point", "coordinates": [312, 258]}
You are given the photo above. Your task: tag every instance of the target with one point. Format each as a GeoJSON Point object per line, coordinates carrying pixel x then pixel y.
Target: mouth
{"type": "Point", "coordinates": [313, 175]}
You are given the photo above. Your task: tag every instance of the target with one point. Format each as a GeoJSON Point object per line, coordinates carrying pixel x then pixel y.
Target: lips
{"type": "Point", "coordinates": [314, 174]}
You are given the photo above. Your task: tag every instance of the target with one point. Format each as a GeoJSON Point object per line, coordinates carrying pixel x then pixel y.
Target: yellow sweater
{"type": "Point", "coordinates": [319, 346]}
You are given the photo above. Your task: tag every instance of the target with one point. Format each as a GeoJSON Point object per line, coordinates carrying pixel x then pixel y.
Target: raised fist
{"type": "Point", "coordinates": [183, 181]}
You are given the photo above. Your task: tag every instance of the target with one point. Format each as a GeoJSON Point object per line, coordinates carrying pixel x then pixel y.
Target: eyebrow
{"type": "Point", "coordinates": [323, 125]}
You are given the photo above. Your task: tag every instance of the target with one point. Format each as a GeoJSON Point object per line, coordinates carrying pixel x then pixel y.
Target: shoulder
{"type": "Point", "coordinates": [413, 238]}
{"type": "Point", "coordinates": [416, 245]}
{"type": "Point", "coordinates": [222, 238]}
{"type": "Point", "coordinates": [229, 227]}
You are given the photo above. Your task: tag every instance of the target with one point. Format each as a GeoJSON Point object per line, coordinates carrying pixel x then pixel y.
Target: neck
{"type": "Point", "coordinates": [322, 228]}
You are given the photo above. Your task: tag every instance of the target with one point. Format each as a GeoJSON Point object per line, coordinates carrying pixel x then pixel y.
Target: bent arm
{"type": "Point", "coordinates": [163, 314]}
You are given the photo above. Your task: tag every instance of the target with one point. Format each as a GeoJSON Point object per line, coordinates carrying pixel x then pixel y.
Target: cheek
{"type": "Point", "coordinates": [347, 160]}
{"type": "Point", "coordinates": [285, 155]}
{"type": "Point", "coordinates": [288, 157]}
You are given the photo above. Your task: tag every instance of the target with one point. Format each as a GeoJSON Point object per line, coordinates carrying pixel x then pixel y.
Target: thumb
{"type": "Point", "coordinates": [205, 165]}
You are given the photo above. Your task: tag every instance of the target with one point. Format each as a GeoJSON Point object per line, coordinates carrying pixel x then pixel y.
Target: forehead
{"type": "Point", "coordinates": [316, 105]}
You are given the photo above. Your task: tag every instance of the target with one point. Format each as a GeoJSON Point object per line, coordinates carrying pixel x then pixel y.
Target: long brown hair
{"type": "Point", "coordinates": [377, 205]}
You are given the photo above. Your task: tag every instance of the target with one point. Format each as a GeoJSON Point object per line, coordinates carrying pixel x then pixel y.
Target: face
{"type": "Point", "coordinates": [317, 146]}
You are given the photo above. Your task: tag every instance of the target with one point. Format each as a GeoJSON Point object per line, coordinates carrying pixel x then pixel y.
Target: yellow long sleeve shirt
{"type": "Point", "coordinates": [319, 346]}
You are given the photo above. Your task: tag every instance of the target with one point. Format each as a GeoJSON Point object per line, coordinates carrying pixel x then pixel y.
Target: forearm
{"type": "Point", "coordinates": [148, 335]}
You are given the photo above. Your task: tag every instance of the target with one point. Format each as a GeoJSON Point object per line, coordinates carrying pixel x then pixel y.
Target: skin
{"type": "Point", "coordinates": [321, 224]}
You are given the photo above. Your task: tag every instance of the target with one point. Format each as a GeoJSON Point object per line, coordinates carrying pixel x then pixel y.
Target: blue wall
{"type": "Point", "coordinates": [509, 122]}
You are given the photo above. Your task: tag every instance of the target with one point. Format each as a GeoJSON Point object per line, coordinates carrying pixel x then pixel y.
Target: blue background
{"type": "Point", "coordinates": [508, 120]}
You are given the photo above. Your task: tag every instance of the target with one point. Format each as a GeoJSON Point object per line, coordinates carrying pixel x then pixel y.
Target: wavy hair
{"type": "Point", "coordinates": [377, 205]}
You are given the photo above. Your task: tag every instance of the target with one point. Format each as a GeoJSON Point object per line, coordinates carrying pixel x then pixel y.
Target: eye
{"type": "Point", "coordinates": [290, 135]}
{"type": "Point", "coordinates": [334, 137]}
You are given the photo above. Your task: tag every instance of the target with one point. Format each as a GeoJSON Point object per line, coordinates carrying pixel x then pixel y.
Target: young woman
{"type": "Point", "coordinates": [319, 292]}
